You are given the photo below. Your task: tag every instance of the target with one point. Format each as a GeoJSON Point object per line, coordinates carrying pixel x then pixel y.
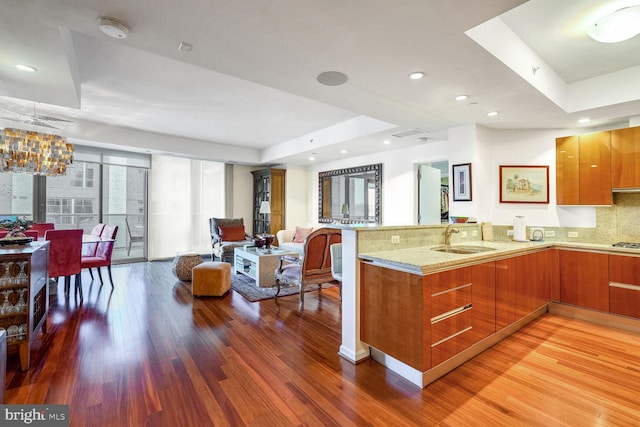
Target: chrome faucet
{"type": "Point", "coordinates": [447, 234]}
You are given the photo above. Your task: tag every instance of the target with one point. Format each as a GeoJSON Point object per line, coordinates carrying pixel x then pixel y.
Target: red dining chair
{"type": "Point", "coordinates": [3, 233]}
{"type": "Point", "coordinates": [65, 252]}
{"type": "Point", "coordinates": [89, 249]}
{"type": "Point", "coordinates": [102, 257]}
{"type": "Point", "coordinates": [42, 227]}
{"type": "Point", "coordinates": [31, 233]}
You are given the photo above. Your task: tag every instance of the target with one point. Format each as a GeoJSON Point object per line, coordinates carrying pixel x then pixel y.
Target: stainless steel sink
{"type": "Point", "coordinates": [462, 249]}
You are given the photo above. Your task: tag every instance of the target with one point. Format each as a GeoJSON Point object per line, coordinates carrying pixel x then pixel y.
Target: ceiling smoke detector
{"type": "Point", "coordinates": [113, 27]}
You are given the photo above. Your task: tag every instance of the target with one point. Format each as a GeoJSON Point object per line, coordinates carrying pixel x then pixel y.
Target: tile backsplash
{"type": "Point", "coordinates": [617, 223]}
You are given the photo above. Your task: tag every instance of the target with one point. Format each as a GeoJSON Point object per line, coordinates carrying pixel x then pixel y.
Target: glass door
{"type": "Point", "coordinates": [124, 203]}
{"type": "Point", "coordinates": [73, 200]}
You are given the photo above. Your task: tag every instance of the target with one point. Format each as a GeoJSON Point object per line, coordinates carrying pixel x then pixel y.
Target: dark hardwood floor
{"type": "Point", "coordinates": [148, 353]}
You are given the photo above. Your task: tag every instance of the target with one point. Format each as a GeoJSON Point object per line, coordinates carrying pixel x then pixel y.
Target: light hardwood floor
{"type": "Point", "coordinates": [148, 353]}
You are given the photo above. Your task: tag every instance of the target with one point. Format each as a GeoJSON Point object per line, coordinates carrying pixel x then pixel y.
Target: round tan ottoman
{"type": "Point", "coordinates": [183, 263]}
{"type": "Point", "coordinates": [211, 279]}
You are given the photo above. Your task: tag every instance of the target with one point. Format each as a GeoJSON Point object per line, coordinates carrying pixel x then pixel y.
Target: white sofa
{"type": "Point", "coordinates": [285, 240]}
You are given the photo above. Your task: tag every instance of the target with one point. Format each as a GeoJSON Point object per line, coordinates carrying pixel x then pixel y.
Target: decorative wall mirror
{"type": "Point", "coordinates": [351, 195]}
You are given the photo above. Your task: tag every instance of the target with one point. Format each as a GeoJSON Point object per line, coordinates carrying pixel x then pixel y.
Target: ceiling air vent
{"type": "Point", "coordinates": [408, 133]}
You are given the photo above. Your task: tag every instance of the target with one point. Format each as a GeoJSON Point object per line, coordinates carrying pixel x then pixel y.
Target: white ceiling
{"type": "Point", "coordinates": [247, 91]}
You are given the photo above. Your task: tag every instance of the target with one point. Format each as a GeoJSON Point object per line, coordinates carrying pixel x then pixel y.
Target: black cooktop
{"type": "Point", "coordinates": [628, 245]}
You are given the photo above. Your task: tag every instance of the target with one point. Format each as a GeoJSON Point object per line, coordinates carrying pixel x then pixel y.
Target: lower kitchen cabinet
{"type": "Point", "coordinates": [584, 279]}
{"type": "Point", "coordinates": [425, 320]}
{"type": "Point", "coordinates": [624, 285]}
{"type": "Point", "coordinates": [523, 284]}
{"type": "Point", "coordinates": [451, 322]}
{"type": "Point", "coordinates": [394, 307]}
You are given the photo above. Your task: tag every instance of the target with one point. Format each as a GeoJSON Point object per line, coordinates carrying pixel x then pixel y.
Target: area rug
{"type": "Point", "coordinates": [246, 287]}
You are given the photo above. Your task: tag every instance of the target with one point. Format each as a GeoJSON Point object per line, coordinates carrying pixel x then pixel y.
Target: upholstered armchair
{"type": "Point", "coordinates": [226, 235]}
{"type": "Point", "coordinates": [315, 267]}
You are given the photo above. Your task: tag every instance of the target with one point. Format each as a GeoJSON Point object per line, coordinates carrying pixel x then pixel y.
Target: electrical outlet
{"type": "Point", "coordinates": [463, 234]}
{"type": "Point", "coordinates": [395, 239]}
{"type": "Point", "coordinates": [474, 233]}
{"type": "Point", "coordinates": [509, 232]}
{"type": "Point", "coordinates": [572, 234]}
{"type": "Point", "coordinates": [549, 233]}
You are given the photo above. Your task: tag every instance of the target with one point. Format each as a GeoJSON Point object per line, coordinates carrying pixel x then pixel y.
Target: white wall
{"type": "Point", "coordinates": [522, 147]}
{"type": "Point", "coordinates": [486, 149]}
{"type": "Point", "coordinates": [243, 195]}
{"type": "Point", "coordinates": [399, 181]}
{"type": "Point", "coordinates": [296, 203]}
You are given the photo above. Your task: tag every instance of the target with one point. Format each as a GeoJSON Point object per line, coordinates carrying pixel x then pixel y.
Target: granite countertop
{"type": "Point", "coordinates": [424, 260]}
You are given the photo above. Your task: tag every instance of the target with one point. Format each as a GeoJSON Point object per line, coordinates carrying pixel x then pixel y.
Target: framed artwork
{"type": "Point", "coordinates": [524, 184]}
{"type": "Point", "coordinates": [462, 182]}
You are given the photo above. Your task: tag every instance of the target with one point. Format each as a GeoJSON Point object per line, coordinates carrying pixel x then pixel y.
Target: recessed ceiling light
{"type": "Point", "coordinates": [416, 75]}
{"type": "Point", "coordinates": [28, 68]}
{"type": "Point", "coordinates": [113, 27]}
{"type": "Point", "coordinates": [492, 113]}
{"type": "Point", "coordinates": [343, 151]}
{"type": "Point", "coordinates": [386, 141]}
{"type": "Point", "coordinates": [618, 26]}
{"type": "Point", "coordinates": [312, 158]}
{"type": "Point", "coordinates": [584, 120]}
{"type": "Point", "coordinates": [461, 97]}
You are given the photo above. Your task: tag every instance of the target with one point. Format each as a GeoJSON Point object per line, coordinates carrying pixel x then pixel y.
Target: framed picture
{"type": "Point", "coordinates": [462, 182]}
{"type": "Point", "coordinates": [524, 184]}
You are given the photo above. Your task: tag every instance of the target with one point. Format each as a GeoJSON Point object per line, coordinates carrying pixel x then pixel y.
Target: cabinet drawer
{"type": "Point", "coordinates": [447, 326]}
{"type": "Point", "coordinates": [446, 301]}
{"type": "Point", "coordinates": [448, 280]}
{"type": "Point", "coordinates": [449, 348]}
{"type": "Point", "coordinates": [624, 299]}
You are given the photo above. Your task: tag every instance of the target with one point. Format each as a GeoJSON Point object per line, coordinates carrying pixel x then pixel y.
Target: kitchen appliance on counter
{"type": "Point", "coordinates": [627, 245]}
{"type": "Point", "coordinates": [536, 234]}
{"type": "Point", "coordinates": [520, 229]}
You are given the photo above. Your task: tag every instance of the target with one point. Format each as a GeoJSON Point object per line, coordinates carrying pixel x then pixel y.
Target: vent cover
{"type": "Point", "coordinates": [407, 133]}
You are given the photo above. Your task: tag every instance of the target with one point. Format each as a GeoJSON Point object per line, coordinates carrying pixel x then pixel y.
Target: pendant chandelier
{"type": "Point", "coordinates": [23, 151]}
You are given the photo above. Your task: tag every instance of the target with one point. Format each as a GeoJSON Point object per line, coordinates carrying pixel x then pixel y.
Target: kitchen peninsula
{"type": "Point", "coordinates": [425, 312]}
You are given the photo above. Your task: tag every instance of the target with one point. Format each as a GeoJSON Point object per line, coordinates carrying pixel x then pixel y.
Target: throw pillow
{"type": "Point", "coordinates": [232, 234]}
{"type": "Point", "coordinates": [301, 234]}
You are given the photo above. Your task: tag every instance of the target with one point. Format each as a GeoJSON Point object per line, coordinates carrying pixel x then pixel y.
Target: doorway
{"type": "Point", "coordinates": [433, 193]}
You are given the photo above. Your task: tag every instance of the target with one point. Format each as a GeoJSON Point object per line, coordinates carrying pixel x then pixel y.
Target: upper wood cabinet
{"type": "Point", "coordinates": [625, 158]}
{"type": "Point", "coordinates": [583, 169]}
{"type": "Point", "coordinates": [567, 171]}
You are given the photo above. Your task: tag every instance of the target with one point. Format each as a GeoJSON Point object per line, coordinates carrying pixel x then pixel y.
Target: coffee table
{"type": "Point", "coordinates": [259, 264]}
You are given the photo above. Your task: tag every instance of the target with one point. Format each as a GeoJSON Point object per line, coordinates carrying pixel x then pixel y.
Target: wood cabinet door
{"type": "Point", "coordinates": [625, 158]}
{"type": "Point", "coordinates": [276, 200]}
{"type": "Point", "coordinates": [505, 292]}
{"type": "Point", "coordinates": [567, 171]}
{"type": "Point", "coordinates": [595, 169]}
{"type": "Point", "coordinates": [533, 283]}
{"type": "Point", "coordinates": [484, 300]}
{"type": "Point", "coordinates": [393, 312]}
{"type": "Point", "coordinates": [584, 279]}
{"type": "Point", "coordinates": [624, 285]}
